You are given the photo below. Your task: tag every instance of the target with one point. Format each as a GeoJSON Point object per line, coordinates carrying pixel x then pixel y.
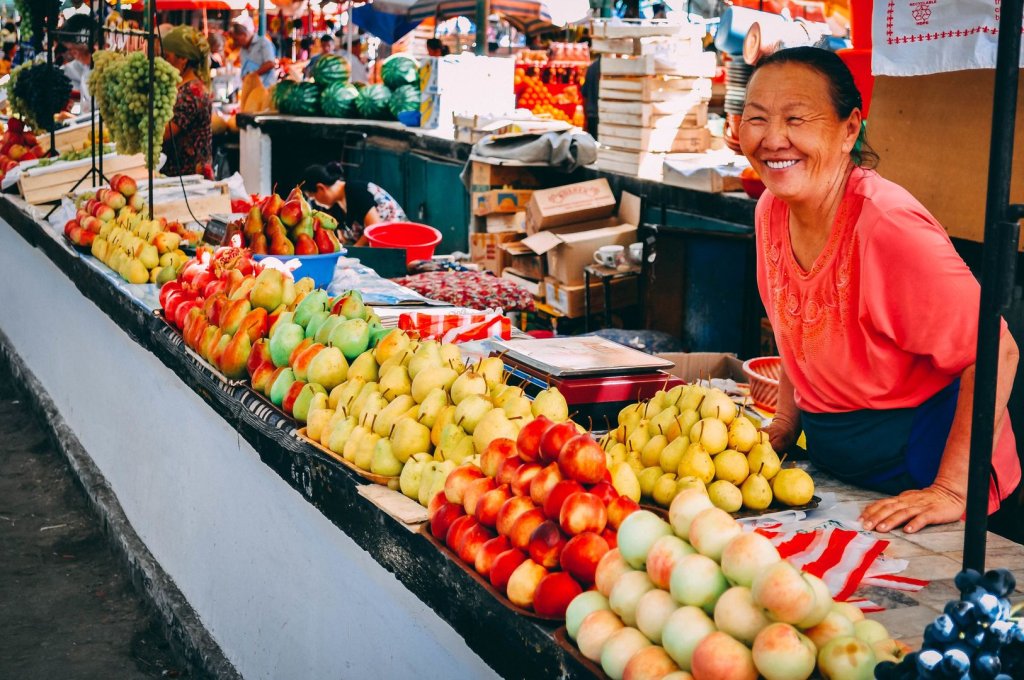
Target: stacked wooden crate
{"type": "Point", "coordinates": [653, 96]}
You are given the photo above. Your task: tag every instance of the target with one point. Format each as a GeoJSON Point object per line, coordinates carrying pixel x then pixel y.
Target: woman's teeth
{"type": "Point", "coordinates": [779, 165]}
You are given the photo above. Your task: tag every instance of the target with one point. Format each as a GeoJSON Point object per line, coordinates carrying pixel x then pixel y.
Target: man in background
{"type": "Point", "coordinates": [326, 47]}
{"type": "Point", "coordinates": [357, 68]}
{"type": "Point", "coordinates": [257, 52]}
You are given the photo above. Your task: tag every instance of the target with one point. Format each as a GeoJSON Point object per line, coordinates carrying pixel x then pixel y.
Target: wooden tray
{"type": "Point", "coordinates": [562, 640]}
{"type": "Point", "coordinates": [233, 382]}
{"type": "Point", "coordinates": [425, 530]}
{"type": "Point", "coordinates": [384, 480]}
{"type": "Point", "coordinates": [744, 514]}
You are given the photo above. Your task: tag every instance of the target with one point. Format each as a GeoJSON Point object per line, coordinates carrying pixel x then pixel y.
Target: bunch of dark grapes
{"type": "Point", "coordinates": [975, 636]}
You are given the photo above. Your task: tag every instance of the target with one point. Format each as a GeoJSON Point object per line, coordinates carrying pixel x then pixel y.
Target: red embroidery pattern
{"type": "Point", "coordinates": [922, 14]}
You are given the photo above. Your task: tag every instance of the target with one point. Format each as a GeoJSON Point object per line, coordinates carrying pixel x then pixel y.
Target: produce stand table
{"type": "Point", "coordinates": [230, 523]}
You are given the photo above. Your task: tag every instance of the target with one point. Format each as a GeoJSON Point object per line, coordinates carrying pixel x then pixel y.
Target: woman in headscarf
{"type": "Point", "coordinates": [188, 139]}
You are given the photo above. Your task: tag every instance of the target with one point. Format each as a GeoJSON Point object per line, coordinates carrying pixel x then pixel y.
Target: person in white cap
{"type": "Point", "coordinates": [257, 52]}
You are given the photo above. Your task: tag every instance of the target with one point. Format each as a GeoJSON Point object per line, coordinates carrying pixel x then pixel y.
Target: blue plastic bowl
{"type": "Point", "coordinates": [409, 118]}
{"type": "Point", "coordinates": [320, 268]}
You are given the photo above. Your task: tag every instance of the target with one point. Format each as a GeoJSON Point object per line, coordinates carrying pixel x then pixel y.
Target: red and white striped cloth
{"type": "Point", "coordinates": [457, 327]}
{"type": "Point", "coordinates": [844, 559]}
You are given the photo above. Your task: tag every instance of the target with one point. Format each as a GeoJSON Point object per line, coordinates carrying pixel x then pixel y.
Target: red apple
{"type": "Point", "coordinates": [561, 491]}
{"type": "Point", "coordinates": [495, 453]}
{"type": "Point", "coordinates": [543, 482]}
{"type": "Point", "coordinates": [554, 439]}
{"type": "Point", "coordinates": [457, 481]}
{"type": "Point", "coordinates": [619, 509]}
{"type": "Point", "coordinates": [504, 565]}
{"type": "Point", "coordinates": [523, 527]}
{"type": "Point", "coordinates": [610, 536]}
{"type": "Point", "coordinates": [472, 541]}
{"type": "Point", "coordinates": [605, 491]}
{"type": "Point", "coordinates": [554, 593]}
{"type": "Point", "coordinates": [522, 584]}
{"type": "Point", "coordinates": [458, 529]}
{"type": "Point", "coordinates": [507, 470]}
{"type": "Point", "coordinates": [435, 504]}
{"type": "Point", "coordinates": [582, 554]}
{"type": "Point", "coordinates": [510, 512]}
{"type": "Point", "coordinates": [488, 553]}
{"type": "Point", "coordinates": [443, 519]}
{"type": "Point", "coordinates": [290, 396]}
{"type": "Point", "coordinates": [475, 491]}
{"type": "Point", "coordinates": [490, 504]}
{"type": "Point", "coordinates": [524, 475]}
{"type": "Point", "coordinates": [546, 544]}
{"type": "Point", "coordinates": [529, 438]}
{"type": "Point", "coordinates": [583, 459]}
{"type": "Point", "coordinates": [581, 512]}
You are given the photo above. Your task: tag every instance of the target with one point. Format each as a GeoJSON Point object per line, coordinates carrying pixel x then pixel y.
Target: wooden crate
{"type": "Point", "coordinates": [697, 117]}
{"type": "Point", "coordinates": [46, 185]}
{"type": "Point", "coordinates": [697, 66]}
{"type": "Point", "coordinates": [682, 140]}
{"type": "Point", "coordinates": [171, 204]}
{"type": "Point", "coordinates": [66, 139]}
{"type": "Point", "coordinates": [645, 28]}
{"type": "Point", "coordinates": [653, 88]}
{"type": "Point", "coordinates": [645, 111]}
{"type": "Point", "coordinates": [633, 163]}
{"type": "Point", "coordinates": [636, 47]}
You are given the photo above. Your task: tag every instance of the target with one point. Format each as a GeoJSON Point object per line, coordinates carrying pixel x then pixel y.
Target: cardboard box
{"type": "Point", "coordinates": [498, 201]}
{"type": "Point", "coordinates": [536, 288]}
{"type": "Point", "coordinates": [485, 250]}
{"type": "Point", "coordinates": [570, 248]}
{"type": "Point", "coordinates": [527, 263]}
{"type": "Point", "coordinates": [693, 366]}
{"type": "Point", "coordinates": [695, 172]}
{"type": "Point", "coordinates": [570, 204]}
{"type": "Point", "coordinates": [485, 176]}
{"type": "Point", "coordinates": [571, 300]}
{"type": "Point", "coordinates": [506, 222]}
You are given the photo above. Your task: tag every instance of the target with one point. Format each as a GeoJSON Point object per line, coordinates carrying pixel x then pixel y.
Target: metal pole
{"type": "Point", "coordinates": [349, 30]}
{"type": "Point", "coordinates": [997, 280]}
{"type": "Point", "coordinates": [483, 10]}
{"type": "Point", "coordinates": [150, 32]}
{"type": "Point", "coordinates": [263, 18]}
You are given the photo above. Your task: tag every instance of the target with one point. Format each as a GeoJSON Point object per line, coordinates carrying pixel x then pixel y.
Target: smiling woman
{"type": "Point", "coordinates": [874, 313]}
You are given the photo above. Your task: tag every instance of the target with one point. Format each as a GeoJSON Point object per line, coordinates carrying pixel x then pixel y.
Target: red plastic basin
{"type": "Point", "coordinates": [419, 240]}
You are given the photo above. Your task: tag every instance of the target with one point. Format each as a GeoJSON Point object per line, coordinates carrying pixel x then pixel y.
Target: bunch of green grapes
{"type": "Point", "coordinates": [103, 62]}
{"type": "Point", "coordinates": [126, 95]}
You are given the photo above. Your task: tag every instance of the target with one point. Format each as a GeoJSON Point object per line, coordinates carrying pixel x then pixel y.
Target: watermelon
{"type": "Point", "coordinates": [304, 100]}
{"type": "Point", "coordinates": [330, 69]}
{"type": "Point", "coordinates": [404, 98]}
{"type": "Point", "coordinates": [338, 100]}
{"type": "Point", "coordinates": [372, 102]}
{"type": "Point", "coordinates": [399, 70]}
{"type": "Point", "coordinates": [281, 93]}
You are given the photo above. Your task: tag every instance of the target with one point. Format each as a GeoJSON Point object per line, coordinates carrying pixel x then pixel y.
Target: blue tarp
{"type": "Point", "coordinates": [388, 27]}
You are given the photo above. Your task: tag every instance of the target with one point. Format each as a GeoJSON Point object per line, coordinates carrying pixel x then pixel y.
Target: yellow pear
{"type": "Point", "coordinates": [696, 462]}
{"type": "Point", "coordinates": [682, 424]}
{"type": "Point", "coordinates": [690, 482]}
{"type": "Point", "coordinates": [617, 453]}
{"type": "Point", "coordinates": [725, 495]}
{"type": "Point", "coordinates": [409, 437]}
{"type": "Point", "coordinates": [344, 394]}
{"type": "Point", "coordinates": [427, 355]}
{"type": "Point", "coordinates": [691, 397]}
{"type": "Point", "coordinates": [625, 481]}
{"type": "Point", "coordinates": [712, 434]}
{"type": "Point", "coordinates": [494, 425]}
{"type": "Point", "coordinates": [364, 451]}
{"type": "Point", "coordinates": [315, 422]}
{"type": "Point", "coordinates": [429, 378]}
{"type": "Point", "coordinates": [638, 438]}
{"type": "Point", "coordinates": [502, 393]}
{"type": "Point", "coordinates": [650, 454]}
{"type": "Point", "coordinates": [431, 405]}
{"type": "Point", "coordinates": [665, 489]}
{"type": "Point", "coordinates": [661, 423]}
{"type": "Point", "coordinates": [793, 486]}
{"type": "Point", "coordinates": [648, 477]}
{"type": "Point", "coordinates": [731, 466]}
{"type": "Point", "coordinates": [390, 414]}
{"type": "Point", "coordinates": [742, 434]}
{"type": "Point", "coordinates": [466, 385]}
{"type": "Point", "coordinates": [763, 459]}
{"type": "Point", "coordinates": [452, 357]}
{"type": "Point", "coordinates": [492, 369]}
{"type": "Point", "coordinates": [384, 461]}
{"type": "Point", "coordinates": [757, 494]}
{"type": "Point", "coordinates": [672, 454]}
{"type": "Point", "coordinates": [717, 404]}
{"type": "Point", "coordinates": [351, 444]}
{"type": "Point", "coordinates": [364, 367]}
{"type": "Point", "coordinates": [395, 382]}
{"type": "Point", "coordinates": [445, 417]}
{"type": "Point", "coordinates": [552, 404]}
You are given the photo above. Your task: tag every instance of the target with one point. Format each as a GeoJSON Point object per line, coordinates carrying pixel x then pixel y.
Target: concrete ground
{"type": "Point", "coordinates": [67, 607]}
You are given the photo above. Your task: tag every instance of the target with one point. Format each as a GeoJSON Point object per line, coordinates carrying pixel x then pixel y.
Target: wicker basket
{"type": "Point", "coordinates": [764, 375]}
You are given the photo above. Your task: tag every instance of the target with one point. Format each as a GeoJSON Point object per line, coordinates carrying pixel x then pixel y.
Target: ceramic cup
{"type": "Point", "coordinates": [608, 256]}
{"type": "Point", "coordinates": [636, 252]}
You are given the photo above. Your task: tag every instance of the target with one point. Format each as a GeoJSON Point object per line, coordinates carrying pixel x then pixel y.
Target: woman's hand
{"type": "Point", "coordinates": [917, 509]}
{"type": "Point", "coordinates": [783, 432]}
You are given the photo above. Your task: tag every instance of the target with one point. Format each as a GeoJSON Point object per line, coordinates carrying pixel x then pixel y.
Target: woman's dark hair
{"type": "Point", "coordinates": [306, 43]}
{"type": "Point", "coordinates": [842, 90]}
{"type": "Point", "coordinates": [322, 174]}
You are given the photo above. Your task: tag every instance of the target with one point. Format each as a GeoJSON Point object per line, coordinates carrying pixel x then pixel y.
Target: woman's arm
{"type": "Point", "coordinates": [946, 499]}
{"type": "Point", "coordinates": [785, 426]}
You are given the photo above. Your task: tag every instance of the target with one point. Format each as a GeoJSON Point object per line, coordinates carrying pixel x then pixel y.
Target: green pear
{"type": "Point", "coordinates": [310, 396]}
{"type": "Point", "coordinates": [664, 489]}
{"type": "Point", "coordinates": [323, 333]}
{"type": "Point", "coordinates": [625, 481]}
{"type": "Point", "coordinates": [696, 462]}
{"type": "Point", "coordinates": [390, 414]}
{"type": "Point", "coordinates": [661, 400]}
{"type": "Point", "coordinates": [742, 434]}
{"type": "Point", "coordinates": [395, 382]}
{"type": "Point", "coordinates": [441, 472]}
{"type": "Point", "coordinates": [651, 408]}
{"type": "Point", "coordinates": [648, 477]}
{"type": "Point", "coordinates": [725, 495]}
{"type": "Point", "coordinates": [375, 323]}
{"type": "Point", "coordinates": [731, 466]}
{"type": "Point", "coordinates": [492, 369]}
{"type": "Point", "coordinates": [316, 320]}
{"type": "Point", "coordinates": [365, 367]}
{"type": "Point", "coordinates": [430, 471]}
{"type": "Point", "coordinates": [351, 306]}
{"type": "Point", "coordinates": [661, 423]}
{"type": "Point", "coordinates": [672, 454]}
{"type": "Point", "coordinates": [356, 407]}
{"type": "Point", "coordinates": [328, 368]}
{"type": "Point", "coordinates": [494, 425]}
{"type": "Point", "coordinates": [471, 411]}
{"type": "Point", "coordinates": [628, 422]}
{"type": "Point", "coordinates": [445, 417]}
{"type": "Point", "coordinates": [430, 378]}
{"type": "Point", "coordinates": [371, 409]}
{"type": "Point", "coordinates": [617, 454]}
{"type": "Point", "coordinates": [673, 395]}
{"type": "Point", "coordinates": [412, 475]}
{"type": "Point", "coordinates": [351, 445]}
{"type": "Point", "coordinates": [364, 452]}
{"type": "Point", "coordinates": [650, 454]}
{"type": "Point", "coordinates": [757, 494]}
{"type": "Point", "coordinates": [518, 407]}
{"type": "Point", "coordinates": [268, 291]}
{"type": "Point", "coordinates": [351, 336]}
{"type": "Point", "coordinates": [503, 393]}
{"type": "Point", "coordinates": [427, 355]}
{"type": "Point", "coordinates": [451, 435]}
{"type": "Point", "coordinates": [410, 437]}
{"type": "Point", "coordinates": [551, 404]}
{"type": "Point", "coordinates": [384, 461]}
{"type": "Point", "coordinates": [691, 397]}
{"type": "Point", "coordinates": [461, 452]}
{"type": "Point", "coordinates": [344, 394]}
{"type": "Point", "coordinates": [316, 301]}
{"type": "Point", "coordinates": [285, 340]}
{"type": "Point", "coordinates": [431, 405]}
{"type": "Point", "coordinates": [391, 344]}
{"type": "Point", "coordinates": [325, 434]}
{"type": "Point", "coordinates": [452, 357]}
{"type": "Point", "coordinates": [340, 434]}
{"type": "Point", "coordinates": [763, 459]}
{"type": "Point", "coordinates": [468, 384]}
{"type": "Point", "coordinates": [638, 438]}
{"type": "Point", "coordinates": [281, 385]}
{"type": "Point", "coordinates": [316, 420]}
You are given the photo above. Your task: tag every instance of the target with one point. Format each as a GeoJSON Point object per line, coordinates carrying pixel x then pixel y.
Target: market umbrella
{"type": "Point", "coordinates": [387, 26]}
{"type": "Point", "coordinates": [226, 5]}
